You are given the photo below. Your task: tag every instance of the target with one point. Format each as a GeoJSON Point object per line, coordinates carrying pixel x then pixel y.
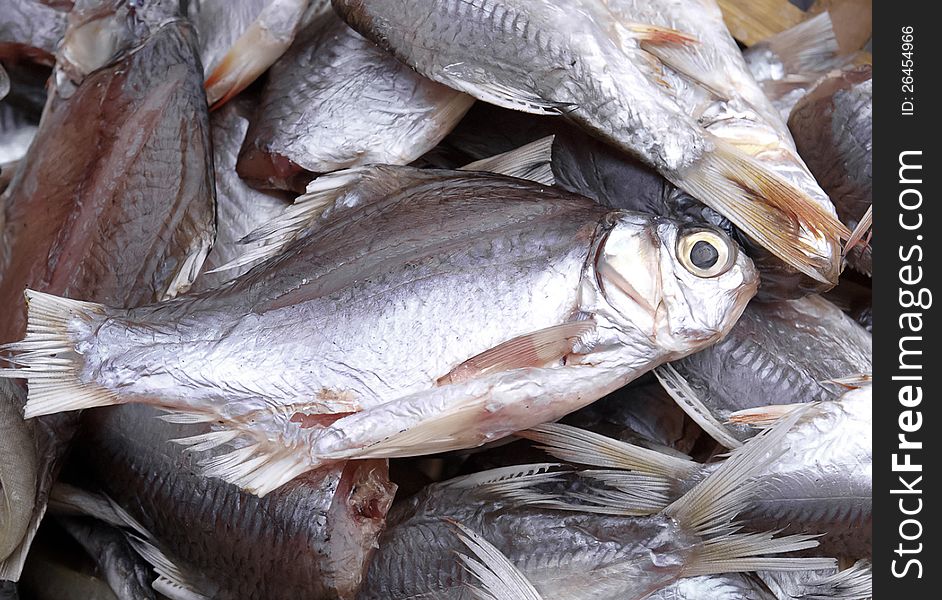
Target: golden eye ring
{"type": "Point", "coordinates": [705, 253]}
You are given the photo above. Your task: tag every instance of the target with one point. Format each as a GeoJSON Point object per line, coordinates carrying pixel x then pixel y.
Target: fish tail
{"type": "Point", "coordinates": [855, 583]}
{"type": "Point", "coordinates": [47, 357]}
{"type": "Point", "coordinates": [532, 161]}
{"type": "Point", "coordinates": [709, 507]}
{"type": "Point", "coordinates": [744, 552]}
{"type": "Point", "coordinates": [809, 47]}
{"type": "Point", "coordinates": [769, 209]}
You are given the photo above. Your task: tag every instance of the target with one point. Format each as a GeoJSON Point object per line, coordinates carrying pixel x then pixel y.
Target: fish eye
{"type": "Point", "coordinates": [705, 253]}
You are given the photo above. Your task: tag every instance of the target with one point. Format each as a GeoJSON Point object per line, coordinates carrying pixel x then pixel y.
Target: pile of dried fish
{"type": "Point", "coordinates": [431, 299]}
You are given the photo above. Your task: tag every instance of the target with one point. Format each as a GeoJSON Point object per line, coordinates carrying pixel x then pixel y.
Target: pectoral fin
{"type": "Point", "coordinates": [536, 349]}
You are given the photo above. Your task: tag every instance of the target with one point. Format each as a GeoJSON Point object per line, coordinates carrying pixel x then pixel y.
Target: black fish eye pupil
{"type": "Point", "coordinates": [704, 255]}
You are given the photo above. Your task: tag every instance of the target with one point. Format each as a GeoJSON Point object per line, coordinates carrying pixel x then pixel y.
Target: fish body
{"type": "Point", "coordinates": [310, 539]}
{"type": "Point", "coordinates": [729, 586]}
{"type": "Point", "coordinates": [778, 353]}
{"type": "Point", "coordinates": [335, 100]}
{"type": "Point", "coordinates": [648, 89]}
{"type": "Point", "coordinates": [240, 208]}
{"type": "Point", "coordinates": [581, 163]}
{"type": "Point", "coordinates": [824, 481]}
{"type": "Point", "coordinates": [833, 129]}
{"type": "Point", "coordinates": [308, 347]}
{"type": "Point", "coordinates": [114, 199]}
{"type": "Point", "coordinates": [567, 554]}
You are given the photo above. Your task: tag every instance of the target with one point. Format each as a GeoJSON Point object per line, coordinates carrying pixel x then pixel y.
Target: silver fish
{"type": "Point", "coordinates": [833, 129]}
{"type": "Point", "coordinates": [648, 89]}
{"type": "Point", "coordinates": [312, 538]}
{"type": "Point", "coordinates": [366, 334]}
{"type": "Point", "coordinates": [821, 482]}
{"type": "Point", "coordinates": [570, 555]}
{"type": "Point", "coordinates": [778, 353]}
{"type": "Point", "coordinates": [240, 40]}
{"type": "Point", "coordinates": [119, 221]}
{"type": "Point", "coordinates": [335, 100]}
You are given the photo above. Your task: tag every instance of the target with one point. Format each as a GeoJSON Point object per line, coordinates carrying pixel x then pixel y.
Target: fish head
{"type": "Point", "coordinates": [684, 286]}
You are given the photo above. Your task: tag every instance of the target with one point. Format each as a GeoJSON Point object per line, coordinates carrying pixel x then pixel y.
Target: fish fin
{"type": "Point", "coordinates": [809, 47]}
{"type": "Point", "coordinates": [579, 446]}
{"type": "Point", "coordinates": [190, 266]}
{"type": "Point", "coordinates": [271, 238]}
{"type": "Point", "coordinates": [857, 235]}
{"type": "Point", "coordinates": [532, 161]}
{"type": "Point", "coordinates": [70, 500]}
{"type": "Point", "coordinates": [535, 349]}
{"type": "Point", "coordinates": [258, 468]}
{"type": "Point", "coordinates": [764, 416]}
{"type": "Point", "coordinates": [686, 398]}
{"type": "Point", "coordinates": [65, 499]}
{"type": "Point", "coordinates": [710, 506]}
{"type": "Point", "coordinates": [687, 57]}
{"type": "Point", "coordinates": [656, 35]}
{"type": "Point", "coordinates": [171, 580]}
{"type": "Point", "coordinates": [499, 578]}
{"type": "Point", "coordinates": [767, 208]}
{"type": "Point", "coordinates": [503, 94]}
{"type": "Point", "coordinates": [47, 357]}
{"type": "Point", "coordinates": [624, 493]}
{"type": "Point", "coordinates": [499, 475]}
{"type": "Point", "coordinates": [744, 552]}
{"type": "Point", "coordinates": [855, 583]}
{"type": "Point", "coordinates": [259, 46]}
{"type": "Point", "coordinates": [851, 382]}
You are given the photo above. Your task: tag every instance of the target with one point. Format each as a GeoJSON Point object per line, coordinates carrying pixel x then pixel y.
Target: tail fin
{"type": "Point", "coordinates": [500, 579]}
{"type": "Point", "coordinates": [743, 552]}
{"type": "Point", "coordinates": [855, 583]}
{"type": "Point", "coordinates": [768, 209]}
{"type": "Point", "coordinates": [531, 161]}
{"type": "Point", "coordinates": [48, 359]}
{"type": "Point", "coordinates": [709, 508]}
{"type": "Point", "coordinates": [809, 47]}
